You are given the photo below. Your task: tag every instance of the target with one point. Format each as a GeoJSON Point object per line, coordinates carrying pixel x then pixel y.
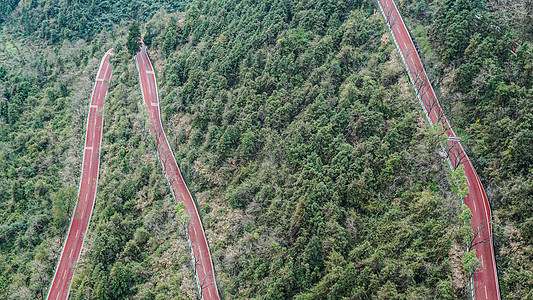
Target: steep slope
{"type": "Point", "coordinates": [486, 90]}
{"type": "Point", "coordinates": [45, 89]}
{"type": "Point", "coordinates": [485, 279]}
{"type": "Point", "coordinates": [306, 151]}
{"type": "Point", "coordinates": [203, 265]}
{"type": "Point", "coordinates": [295, 129]}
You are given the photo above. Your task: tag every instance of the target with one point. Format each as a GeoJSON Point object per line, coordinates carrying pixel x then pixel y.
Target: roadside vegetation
{"type": "Point", "coordinates": [486, 90]}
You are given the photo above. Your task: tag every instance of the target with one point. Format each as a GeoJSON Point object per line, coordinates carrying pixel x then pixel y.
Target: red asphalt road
{"type": "Point", "coordinates": [486, 278]}
{"type": "Point", "coordinates": [204, 265]}
{"type": "Point", "coordinates": [60, 287]}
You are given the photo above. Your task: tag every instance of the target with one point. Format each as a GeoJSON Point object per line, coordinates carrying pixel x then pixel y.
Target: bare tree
{"type": "Point", "coordinates": [422, 85]}
{"type": "Point", "coordinates": [476, 238]}
{"type": "Point", "coordinates": [441, 118]}
{"type": "Point", "coordinates": [203, 281]}
{"type": "Point", "coordinates": [455, 153]}
{"type": "Point", "coordinates": [407, 54]}
{"type": "Point", "coordinates": [433, 104]}
{"type": "Point", "coordinates": [391, 15]}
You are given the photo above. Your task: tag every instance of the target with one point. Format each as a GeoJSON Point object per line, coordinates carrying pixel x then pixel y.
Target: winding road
{"type": "Point", "coordinates": [202, 257]}
{"type": "Point", "coordinates": [485, 278]}
{"type": "Point", "coordinates": [79, 222]}
{"type": "Point", "coordinates": [203, 265]}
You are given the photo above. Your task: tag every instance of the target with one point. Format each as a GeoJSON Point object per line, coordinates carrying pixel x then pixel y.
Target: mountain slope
{"type": "Point", "coordinates": [306, 151]}
{"type": "Point", "coordinates": [486, 90]}
{"type": "Point", "coordinates": [294, 126]}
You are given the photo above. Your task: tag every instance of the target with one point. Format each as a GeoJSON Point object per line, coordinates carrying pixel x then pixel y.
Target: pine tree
{"type": "Point", "coordinates": [148, 36]}
{"type": "Point", "coordinates": [134, 39]}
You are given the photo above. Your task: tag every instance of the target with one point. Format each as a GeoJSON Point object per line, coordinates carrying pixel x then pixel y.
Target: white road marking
{"type": "Point", "coordinates": [474, 202]}
{"type": "Point", "coordinates": [149, 72]}
{"type": "Point", "coordinates": [88, 148]}
{"type": "Point", "coordinates": [486, 295]}
{"type": "Point", "coordinates": [94, 106]}
{"type": "Point", "coordinates": [72, 250]}
{"type": "Point", "coordinates": [481, 259]}
{"type": "Point", "coordinates": [99, 79]}
{"type": "Point", "coordinates": [155, 104]}
{"type": "Point", "coordinates": [78, 233]}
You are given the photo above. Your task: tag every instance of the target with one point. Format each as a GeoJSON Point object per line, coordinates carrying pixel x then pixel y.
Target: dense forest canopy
{"type": "Point", "coordinates": [6, 7]}
{"type": "Point", "coordinates": [293, 122]}
{"type": "Point", "coordinates": [56, 20]}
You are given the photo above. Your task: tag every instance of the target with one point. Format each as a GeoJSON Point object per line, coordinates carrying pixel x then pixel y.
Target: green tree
{"type": "Point", "coordinates": [459, 183]}
{"type": "Point", "coordinates": [465, 231]}
{"type": "Point", "coordinates": [171, 34]}
{"type": "Point", "coordinates": [119, 280]}
{"type": "Point", "coordinates": [62, 201]}
{"type": "Point", "coordinates": [470, 262]}
{"type": "Point", "coordinates": [134, 39]}
{"type": "Point", "coordinates": [148, 37]}
{"type": "Point", "coordinates": [3, 72]}
{"type": "Point", "coordinates": [181, 215]}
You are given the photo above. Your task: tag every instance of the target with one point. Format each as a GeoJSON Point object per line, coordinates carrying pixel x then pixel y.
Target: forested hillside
{"type": "Point", "coordinates": [487, 91]}
{"type": "Point", "coordinates": [6, 7]}
{"type": "Point", "coordinates": [45, 91]}
{"type": "Point", "coordinates": [293, 122]}
{"type": "Point", "coordinates": [56, 20]}
{"type": "Point", "coordinates": [305, 147]}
